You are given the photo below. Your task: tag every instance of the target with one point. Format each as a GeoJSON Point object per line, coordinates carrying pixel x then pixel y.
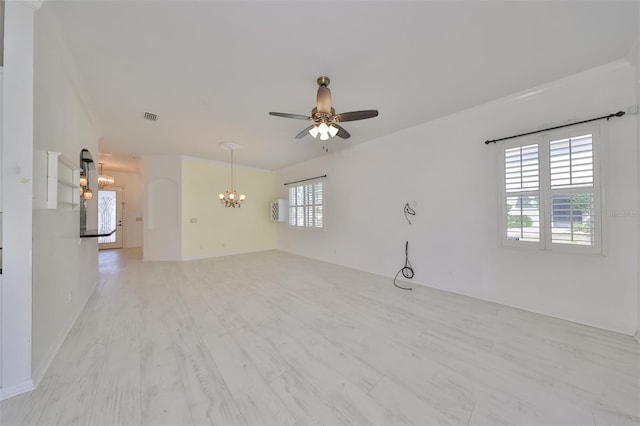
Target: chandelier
{"type": "Point", "coordinates": [231, 198]}
{"type": "Point", "coordinates": [104, 180]}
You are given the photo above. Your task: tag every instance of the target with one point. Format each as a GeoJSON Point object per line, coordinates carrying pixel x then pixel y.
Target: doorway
{"type": "Point", "coordinates": [110, 204]}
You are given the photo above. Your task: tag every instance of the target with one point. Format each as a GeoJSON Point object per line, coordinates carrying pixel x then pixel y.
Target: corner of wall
{"type": "Point", "coordinates": [40, 369]}
{"type": "Point", "coordinates": [67, 61]}
{"type": "Point", "coordinates": [635, 58]}
{"type": "Point", "coordinates": [58, 295]}
{"type": "Point", "coordinates": [17, 389]}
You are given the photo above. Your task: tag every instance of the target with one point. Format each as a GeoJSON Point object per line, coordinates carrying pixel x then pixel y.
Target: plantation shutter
{"type": "Point", "coordinates": [306, 205]}
{"type": "Point", "coordinates": [522, 193]}
{"type": "Point", "coordinates": [572, 190]}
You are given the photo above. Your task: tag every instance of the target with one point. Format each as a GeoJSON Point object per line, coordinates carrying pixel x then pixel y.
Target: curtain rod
{"type": "Point", "coordinates": [304, 180]}
{"type": "Point", "coordinates": [607, 117]}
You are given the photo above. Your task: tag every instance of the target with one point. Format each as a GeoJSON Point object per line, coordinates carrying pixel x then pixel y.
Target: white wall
{"type": "Point", "coordinates": [65, 267]}
{"type": "Point", "coordinates": [16, 193]}
{"type": "Point", "coordinates": [131, 184]}
{"type": "Point", "coordinates": [183, 218]}
{"type": "Point", "coordinates": [450, 177]}
{"type": "Point", "coordinates": [218, 230]}
{"type": "Point", "coordinates": [161, 212]}
{"type": "Point", "coordinates": [1, 31]}
{"type": "Point", "coordinates": [636, 63]}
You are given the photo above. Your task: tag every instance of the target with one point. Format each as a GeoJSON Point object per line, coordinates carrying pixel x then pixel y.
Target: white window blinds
{"type": "Point", "coordinates": [571, 162]}
{"type": "Point", "coordinates": [522, 168]}
{"type": "Point", "coordinates": [306, 205]}
{"type": "Point", "coordinates": [550, 191]}
{"type": "Point", "coordinates": [522, 185]}
{"type": "Point", "coordinates": [572, 194]}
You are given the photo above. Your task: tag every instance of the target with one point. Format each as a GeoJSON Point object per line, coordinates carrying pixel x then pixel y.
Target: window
{"type": "Point", "coordinates": [550, 192]}
{"type": "Point", "coordinates": [306, 205]}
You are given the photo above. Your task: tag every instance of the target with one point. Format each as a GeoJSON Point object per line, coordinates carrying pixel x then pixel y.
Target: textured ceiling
{"type": "Point", "coordinates": [213, 70]}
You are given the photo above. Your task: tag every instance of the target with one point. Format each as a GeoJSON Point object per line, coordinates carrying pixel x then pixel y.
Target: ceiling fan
{"type": "Point", "coordinates": [325, 121]}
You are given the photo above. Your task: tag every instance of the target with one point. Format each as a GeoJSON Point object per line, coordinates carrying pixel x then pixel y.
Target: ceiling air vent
{"type": "Point", "coordinates": [150, 116]}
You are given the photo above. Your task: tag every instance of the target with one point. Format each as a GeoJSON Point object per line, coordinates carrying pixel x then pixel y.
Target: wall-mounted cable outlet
{"type": "Point", "coordinates": [150, 116]}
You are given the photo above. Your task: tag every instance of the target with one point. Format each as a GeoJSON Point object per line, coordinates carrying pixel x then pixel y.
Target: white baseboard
{"type": "Point", "coordinates": [607, 327]}
{"type": "Point", "coordinates": [39, 372]}
{"type": "Point", "coordinates": [6, 393]}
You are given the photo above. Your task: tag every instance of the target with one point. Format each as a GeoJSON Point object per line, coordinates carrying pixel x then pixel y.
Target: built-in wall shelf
{"type": "Point", "coordinates": [93, 233]}
{"type": "Point", "coordinates": [62, 181]}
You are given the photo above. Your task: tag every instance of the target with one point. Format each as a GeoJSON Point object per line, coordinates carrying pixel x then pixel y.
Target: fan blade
{"type": "Point", "coordinates": [357, 115]}
{"type": "Point", "coordinates": [286, 115]}
{"type": "Point", "coordinates": [341, 131]}
{"type": "Point", "coordinates": [304, 133]}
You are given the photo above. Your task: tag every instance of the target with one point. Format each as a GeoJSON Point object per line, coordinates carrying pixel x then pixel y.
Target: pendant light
{"type": "Point", "coordinates": [231, 198]}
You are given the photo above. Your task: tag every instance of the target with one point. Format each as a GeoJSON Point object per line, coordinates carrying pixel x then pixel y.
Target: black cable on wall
{"type": "Point", "coordinates": [406, 270]}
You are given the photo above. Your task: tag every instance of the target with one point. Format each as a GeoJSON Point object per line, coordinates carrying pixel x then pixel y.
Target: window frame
{"type": "Point", "coordinates": [545, 192]}
{"type": "Point", "coordinates": [312, 205]}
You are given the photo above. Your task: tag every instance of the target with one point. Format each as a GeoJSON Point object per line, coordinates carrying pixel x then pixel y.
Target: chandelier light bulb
{"type": "Point", "coordinates": [333, 130]}
{"type": "Point", "coordinates": [242, 197]}
{"type": "Point", "coordinates": [324, 136]}
{"type": "Point", "coordinates": [87, 194]}
{"type": "Point", "coordinates": [313, 131]}
{"type": "Point", "coordinates": [221, 196]}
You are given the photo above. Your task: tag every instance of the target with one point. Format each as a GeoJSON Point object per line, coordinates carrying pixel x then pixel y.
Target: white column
{"type": "Point", "coordinates": [17, 195]}
{"type": "Point", "coordinates": [637, 64]}
{"type": "Point", "coordinates": [162, 234]}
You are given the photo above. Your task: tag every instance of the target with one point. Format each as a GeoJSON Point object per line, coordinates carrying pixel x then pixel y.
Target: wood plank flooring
{"type": "Point", "coordinates": [275, 339]}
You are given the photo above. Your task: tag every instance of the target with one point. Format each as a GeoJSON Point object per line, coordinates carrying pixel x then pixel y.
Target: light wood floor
{"type": "Point", "coordinates": [271, 338]}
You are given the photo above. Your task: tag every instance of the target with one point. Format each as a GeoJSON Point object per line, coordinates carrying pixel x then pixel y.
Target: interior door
{"type": "Point", "coordinates": [110, 203]}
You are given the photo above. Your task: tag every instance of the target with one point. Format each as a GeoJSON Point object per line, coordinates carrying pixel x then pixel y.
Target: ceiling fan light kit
{"type": "Point", "coordinates": [324, 118]}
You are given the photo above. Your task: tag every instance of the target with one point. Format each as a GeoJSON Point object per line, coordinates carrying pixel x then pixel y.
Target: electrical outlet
{"type": "Point", "coordinates": [138, 219]}
{"type": "Point", "coordinates": [193, 220]}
